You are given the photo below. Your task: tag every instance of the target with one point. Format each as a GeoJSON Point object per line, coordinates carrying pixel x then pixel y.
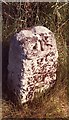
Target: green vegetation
{"type": "Point", "coordinates": [16, 16]}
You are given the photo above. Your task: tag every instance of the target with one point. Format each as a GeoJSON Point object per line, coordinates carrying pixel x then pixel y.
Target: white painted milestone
{"type": "Point", "coordinates": [33, 59]}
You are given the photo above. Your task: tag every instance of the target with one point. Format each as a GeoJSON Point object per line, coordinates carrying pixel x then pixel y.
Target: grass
{"type": "Point", "coordinates": [51, 104]}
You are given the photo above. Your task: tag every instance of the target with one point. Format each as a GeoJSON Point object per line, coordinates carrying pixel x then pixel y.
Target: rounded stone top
{"type": "Point", "coordinates": [30, 32]}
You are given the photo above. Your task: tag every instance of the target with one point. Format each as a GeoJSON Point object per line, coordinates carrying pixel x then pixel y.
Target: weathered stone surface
{"type": "Point", "coordinates": [32, 62]}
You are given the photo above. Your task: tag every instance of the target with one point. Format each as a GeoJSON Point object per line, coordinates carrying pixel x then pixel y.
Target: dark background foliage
{"type": "Point", "coordinates": [55, 16]}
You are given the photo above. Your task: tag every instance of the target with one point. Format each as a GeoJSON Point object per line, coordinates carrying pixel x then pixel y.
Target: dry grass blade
{"type": "Point", "coordinates": [61, 26]}
{"type": "Point", "coordinates": [4, 2]}
{"type": "Point", "coordinates": [62, 5]}
{"type": "Point", "coordinates": [8, 15]}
